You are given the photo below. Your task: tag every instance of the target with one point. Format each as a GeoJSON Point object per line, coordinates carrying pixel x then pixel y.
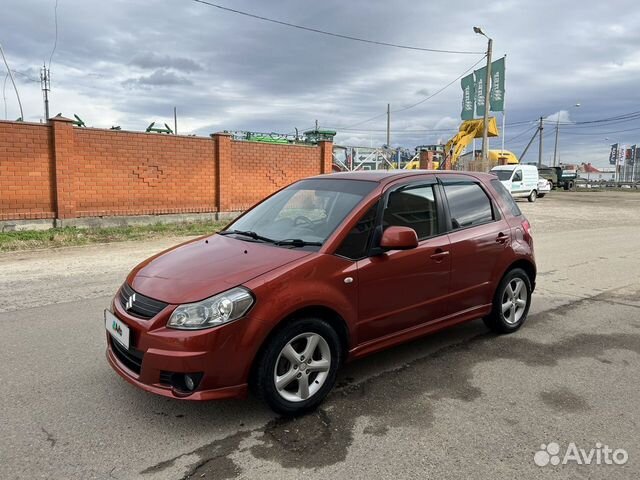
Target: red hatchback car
{"type": "Point", "coordinates": [328, 269]}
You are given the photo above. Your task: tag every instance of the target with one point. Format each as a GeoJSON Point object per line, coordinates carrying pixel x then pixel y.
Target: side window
{"type": "Point", "coordinates": [506, 197]}
{"type": "Point", "coordinates": [413, 207]}
{"type": "Point", "coordinates": [355, 245]}
{"type": "Point", "coordinates": [517, 177]}
{"type": "Point", "coordinates": [469, 205]}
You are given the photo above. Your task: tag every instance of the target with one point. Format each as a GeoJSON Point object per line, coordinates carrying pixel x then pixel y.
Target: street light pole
{"type": "Point", "coordinates": [555, 148]}
{"type": "Point", "coordinates": [487, 92]}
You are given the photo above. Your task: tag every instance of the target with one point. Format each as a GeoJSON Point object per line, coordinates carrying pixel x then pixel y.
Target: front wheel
{"type": "Point", "coordinates": [298, 366]}
{"type": "Point", "coordinates": [532, 196]}
{"type": "Point", "coordinates": [511, 303]}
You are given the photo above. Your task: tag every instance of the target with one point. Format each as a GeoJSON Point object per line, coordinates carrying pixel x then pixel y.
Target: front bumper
{"type": "Point", "coordinates": [151, 373]}
{"type": "Point", "coordinates": [222, 354]}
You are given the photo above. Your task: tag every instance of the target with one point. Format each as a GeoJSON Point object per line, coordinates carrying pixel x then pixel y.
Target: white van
{"type": "Point", "coordinates": [520, 180]}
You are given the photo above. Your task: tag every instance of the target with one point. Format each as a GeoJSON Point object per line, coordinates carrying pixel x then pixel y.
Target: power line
{"type": "Point", "coordinates": [442, 89]}
{"type": "Point", "coordinates": [333, 34]}
{"type": "Point", "coordinates": [12, 81]}
{"type": "Point", "coordinates": [55, 43]}
{"type": "Point", "coordinates": [417, 103]}
{"type": "Point", "coordinates": [421, 130]}
{"type": "Point", "coordinates": [600, 133]}
{"type": "Point", "coordinates": [24, 75]}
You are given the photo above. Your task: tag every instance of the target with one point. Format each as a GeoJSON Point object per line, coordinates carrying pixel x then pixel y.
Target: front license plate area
{"type": "Point", "coordinates": [117, 329]}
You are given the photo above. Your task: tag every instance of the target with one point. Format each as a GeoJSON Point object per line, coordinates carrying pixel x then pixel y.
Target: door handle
{"type": "Point", "coordinates": [502, 238]}
{"type": "Point", "coordinates": [439, 255]}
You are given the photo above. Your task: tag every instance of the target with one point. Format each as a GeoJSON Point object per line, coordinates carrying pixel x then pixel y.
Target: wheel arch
{"type": "Point", "coordinates": [527, 265]}
{"type": "Point", "coordinates": [323, 312]}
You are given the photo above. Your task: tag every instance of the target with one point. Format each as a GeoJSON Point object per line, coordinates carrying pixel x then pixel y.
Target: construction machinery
{"type": "Point", "coordinates": [468, 130]}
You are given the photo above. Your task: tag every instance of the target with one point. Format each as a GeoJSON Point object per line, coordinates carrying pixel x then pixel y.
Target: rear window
{"type": "Point", "coordinates": [506, 198]}
{"type": "Point", "coordinates": [469, 205]}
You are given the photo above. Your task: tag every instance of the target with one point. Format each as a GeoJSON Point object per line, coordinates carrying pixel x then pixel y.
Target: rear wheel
{"type": "Point", "coordinates": [511, 303]}
{"type": "Point", "coordinates": [298, 366]}
{"type": "Point", "coordinates": [532, 196]}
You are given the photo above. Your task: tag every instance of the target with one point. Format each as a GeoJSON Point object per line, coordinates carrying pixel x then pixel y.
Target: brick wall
{"type": "Point", "coordinates": [27, 171]}
{"type": "Point", "coordinates": [56, 170]}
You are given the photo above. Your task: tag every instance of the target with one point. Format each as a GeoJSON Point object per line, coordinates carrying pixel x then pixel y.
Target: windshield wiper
{"type": "Point", "coordinates": [297, 242]}
{"type": "Point", "coordinates": [248, 233]}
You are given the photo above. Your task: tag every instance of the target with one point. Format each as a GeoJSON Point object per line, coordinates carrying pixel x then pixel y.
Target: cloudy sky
{"type": "Point", "coordinates": [128, 63]}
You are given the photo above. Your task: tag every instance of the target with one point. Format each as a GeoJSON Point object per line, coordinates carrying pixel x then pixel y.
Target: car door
{"type": "Point", "coordinates": [398, 289]}
{"type": "Point", "coordinates": [517, 183]}
{"type": "Point", "coordinates": [479, 237]}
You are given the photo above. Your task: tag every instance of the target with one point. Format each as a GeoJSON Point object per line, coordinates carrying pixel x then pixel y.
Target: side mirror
{"type": "Point", "coordinates": [399, 238]}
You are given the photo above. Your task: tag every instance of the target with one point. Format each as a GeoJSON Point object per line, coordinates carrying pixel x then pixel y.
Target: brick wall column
{"type": "Point", "coordinates": [224, 170]}
{"type": "Point", "coordinates": [62, 133]}
{"type": "Point", "coordinates": [326, 157]}
{"type": "Point", "coordinates": [426, 160]}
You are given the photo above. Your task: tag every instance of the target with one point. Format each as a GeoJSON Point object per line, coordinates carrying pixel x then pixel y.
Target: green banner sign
{"type": "Point", "coordinates": [496, 97]}
{"type": "Point", "coordinates": [468, 97]}
{"type": "Point", "coordinates": [480, 75]}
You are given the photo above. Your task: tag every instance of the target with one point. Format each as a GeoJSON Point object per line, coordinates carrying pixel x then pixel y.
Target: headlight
{"type": "Point", "coordinates": [217, 310]}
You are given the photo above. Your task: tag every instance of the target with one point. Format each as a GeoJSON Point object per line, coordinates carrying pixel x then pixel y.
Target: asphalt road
{"type": "Point", "coordinates": [459, 404]}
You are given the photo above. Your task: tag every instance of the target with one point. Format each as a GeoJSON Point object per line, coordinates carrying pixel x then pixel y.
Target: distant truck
{"type": "Point", "coordinates": [558, 177]}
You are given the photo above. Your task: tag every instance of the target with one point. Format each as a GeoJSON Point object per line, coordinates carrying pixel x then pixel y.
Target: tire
{"type": "Point", "coordinates": [572, 185]}
{"type": "Point", "coordinates": [553, 185]}
{"type": "Point", "coordinates": [497, 321]}
{"type": "Point", "coordinates": [285, 359]}
{"type": "Point", "coordinates": [532, 196]}
{"type": "Point", "coordinates": [541, 195]}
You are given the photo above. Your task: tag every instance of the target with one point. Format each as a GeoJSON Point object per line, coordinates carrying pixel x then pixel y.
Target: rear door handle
{"type": "Point", "coordinates": [502, 238]}
{"type": "Point", "coordinates": [439, 255]}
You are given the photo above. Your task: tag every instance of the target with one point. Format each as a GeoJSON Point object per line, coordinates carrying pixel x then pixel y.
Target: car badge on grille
{"type": "Point", "coordinates": [129, 304]}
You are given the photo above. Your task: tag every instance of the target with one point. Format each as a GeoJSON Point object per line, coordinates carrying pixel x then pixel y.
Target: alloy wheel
{"type": "Point", "coordinates": [302, 367]}
{"type": "Point", "coordinates": [514, 301]}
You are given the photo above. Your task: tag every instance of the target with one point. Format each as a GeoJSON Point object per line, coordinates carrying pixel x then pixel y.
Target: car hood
{"type": "Point", "coordinates": [206, 266]}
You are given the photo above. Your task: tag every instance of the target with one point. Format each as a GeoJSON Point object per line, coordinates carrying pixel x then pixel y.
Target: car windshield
{"type": "Point", "coordinates": [502, 174]}
{"type": "Point", "coordinates": [306, 212]}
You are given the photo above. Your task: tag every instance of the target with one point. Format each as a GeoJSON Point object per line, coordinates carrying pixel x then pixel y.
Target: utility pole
{"type": "Point", "coordinates": [175, 120]}
{"type": "Point", "coordinates": [540, 128]}
{"type": "Point", "coordinates": [555, 147]}
{"type": "Point", "coordinates": [487, 93]}
{"type": "Point", "coordinates": [45, 83]}
{"type": "Point", "coordinates": [388, 125]}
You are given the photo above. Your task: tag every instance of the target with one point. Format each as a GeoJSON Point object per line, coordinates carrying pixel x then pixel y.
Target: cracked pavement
{"type": "Point", "coordinates": [462, 403]}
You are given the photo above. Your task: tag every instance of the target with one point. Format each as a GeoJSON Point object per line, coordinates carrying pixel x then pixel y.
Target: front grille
{"type": "Point", "coordinates": [131, 358]}
{"type": "Point", "coordinates": [140, 305]}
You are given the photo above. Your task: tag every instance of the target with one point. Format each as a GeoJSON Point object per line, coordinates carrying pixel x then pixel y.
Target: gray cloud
{"type": "Point", "coordinates": [151, 60]}
{"type": "Point", "coordinates": [159, 78]}
{"type": "Point", "coordinates": [129, 63]}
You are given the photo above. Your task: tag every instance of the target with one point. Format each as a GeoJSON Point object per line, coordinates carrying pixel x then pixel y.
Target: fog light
{"type": "Point", "coordinates": [189, 383]}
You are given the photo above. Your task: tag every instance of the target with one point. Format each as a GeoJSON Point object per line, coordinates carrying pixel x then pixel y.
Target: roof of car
{"type": "Point", "coordinates": [386, 176]}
